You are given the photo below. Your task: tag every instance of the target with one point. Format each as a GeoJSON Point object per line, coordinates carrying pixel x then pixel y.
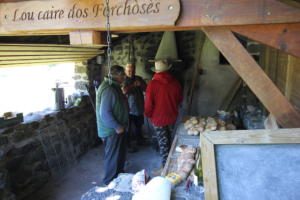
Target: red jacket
{"type": "Point", "coordinates": [163, 96]}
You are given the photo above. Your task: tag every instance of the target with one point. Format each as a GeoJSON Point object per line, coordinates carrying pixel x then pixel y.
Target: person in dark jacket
{"type": "Point", "coordinates": [134, 87]}
{"type": "Point", "coordinates": [112, 119]}
{"type": "Point", "coordinates": [163, 96]}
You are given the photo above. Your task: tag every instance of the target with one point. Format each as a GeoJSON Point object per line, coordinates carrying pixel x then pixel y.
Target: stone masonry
{"type": "Point", "coordinates": [31, 154]}
{"type": "Point", "coordinates": [81, 76]}
{"type": "Point", "coordinates": [142, 47]}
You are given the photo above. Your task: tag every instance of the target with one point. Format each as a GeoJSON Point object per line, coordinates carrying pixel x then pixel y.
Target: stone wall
{"type": "Point", "coordinates": [31, 154]}
{"type": "Point", "coordinates": [81, 76]}
{"type": "Point", "coordinates": [141, 47]}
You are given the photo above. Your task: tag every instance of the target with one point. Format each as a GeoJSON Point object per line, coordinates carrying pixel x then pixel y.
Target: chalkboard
{"type": "Point", "coordinates": [251, 165]}
{"type": "Point", "coordinates": [258, 172]}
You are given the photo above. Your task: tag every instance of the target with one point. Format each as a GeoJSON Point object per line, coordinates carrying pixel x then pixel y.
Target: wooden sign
{"type": "Point", "coordinates": [78, 14]}
{"type": "Point", "coordinates": [36, 17]}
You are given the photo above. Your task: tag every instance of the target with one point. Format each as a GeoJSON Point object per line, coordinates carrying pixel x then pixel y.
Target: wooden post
{"type": "Point", "coordinates": [88, 38]}
{"type": "Point", "coordinates": [254, 76]}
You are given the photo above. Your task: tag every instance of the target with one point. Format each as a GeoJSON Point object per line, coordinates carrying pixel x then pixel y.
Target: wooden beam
{"type": "Point", "coordinates": [88, 38]}
{"type": "Point", "coordinates": [43, 47]}
{"type": "Point", "coordinates": [36, 53]}
{"type": "Point", "coordinates": [29, 62]}
{"type": "Point", "coordinates": [38, 57]}
{"type": "Point", "coordinates": [74, 15]}
{"type": "Point", "coordinates": [12, 0]}
{"type": "Point", "coordinates": [17, 52]}
{"type": "Point", "coordinates": [294, 3]}
{"type": "Point", "coordinates": [284, 37]}
{"type": "Point", "coordinates": [243, 137]}
{"type": "Point", "coordinates": [39, 64]}
{"type": "Point", "coordinates": [254, 76]}
{"type": "Point", "coordinates": [231, 12]}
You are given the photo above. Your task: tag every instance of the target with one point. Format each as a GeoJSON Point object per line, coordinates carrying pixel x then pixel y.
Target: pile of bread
{"type": "Point", "coordinates": [186, 160]}
{"type": "Point", "coordinates": [197, 125]}
{"type": "Point", "coordinates": [185, 163]}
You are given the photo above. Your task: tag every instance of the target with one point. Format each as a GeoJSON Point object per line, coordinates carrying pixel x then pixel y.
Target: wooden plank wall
{"type": "Point", "coordinates": [281, 72]}
{"type": "Point", "coordinates": [284, 70]}
{"type": "Point", "coordinates": [295, 80]}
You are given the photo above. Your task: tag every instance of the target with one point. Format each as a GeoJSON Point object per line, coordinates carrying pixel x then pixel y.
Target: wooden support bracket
{"type": "Point", "coordinates": [284, 37]}
{"type": "Point", "coordinates": [254, 76]}
{"type": "Point", "coordinates": [88, 38]}
{"type": "Point", "coordinates": [294, 3]}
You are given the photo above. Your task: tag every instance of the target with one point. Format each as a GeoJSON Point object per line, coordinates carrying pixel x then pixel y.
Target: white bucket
{"type": "Point", "coordinates": [158, 188]}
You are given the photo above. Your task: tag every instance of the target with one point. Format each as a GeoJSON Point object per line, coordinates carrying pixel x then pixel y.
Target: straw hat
{"type": "Point", "coordinates": [161, 65]}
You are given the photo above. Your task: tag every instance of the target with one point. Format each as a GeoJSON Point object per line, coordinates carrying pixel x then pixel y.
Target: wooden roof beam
{"type": "Point", "coordinates": [295, 3]}
{"type": "Point", "coordinates": [284, 37]}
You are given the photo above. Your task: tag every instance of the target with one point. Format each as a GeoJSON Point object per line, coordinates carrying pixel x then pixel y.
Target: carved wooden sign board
{"type": "Point", "coordinates": [25, 16]}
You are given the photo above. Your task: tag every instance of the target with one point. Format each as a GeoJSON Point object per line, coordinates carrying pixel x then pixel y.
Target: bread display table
{"type": "Point", "coordinates": [181, 192]}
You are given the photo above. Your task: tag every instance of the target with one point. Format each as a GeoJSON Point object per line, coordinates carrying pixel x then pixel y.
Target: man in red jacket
{"type": "Point", "coordinates": [163, 96]}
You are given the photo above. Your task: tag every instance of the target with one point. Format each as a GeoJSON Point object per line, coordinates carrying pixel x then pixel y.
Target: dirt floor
{"type": "Point", "coordinates": [87, 173]}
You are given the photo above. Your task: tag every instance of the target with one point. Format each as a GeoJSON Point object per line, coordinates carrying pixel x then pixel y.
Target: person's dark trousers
{"type": "Point", "coordinates": [163, 134]}
{"type": "Point", "coordinates": [137, 121]}
{"type": "Point", "coordinates": [114, 156]}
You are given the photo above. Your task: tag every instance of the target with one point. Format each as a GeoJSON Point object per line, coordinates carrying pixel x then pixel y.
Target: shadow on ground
{"type": "Point", "coordinates": [88, 172]}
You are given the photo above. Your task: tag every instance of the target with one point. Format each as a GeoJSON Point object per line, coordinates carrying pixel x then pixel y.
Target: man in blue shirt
{"type": "Point", "coordinates": [112, 120]}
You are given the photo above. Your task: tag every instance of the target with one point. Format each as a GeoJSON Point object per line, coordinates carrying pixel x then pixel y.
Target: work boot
{"type": "Point", "coordinates": [157, 172]}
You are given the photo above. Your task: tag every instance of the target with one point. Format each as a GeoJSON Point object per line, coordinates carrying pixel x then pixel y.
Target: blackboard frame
{"type": "Point", "coordinates": [209, 141]}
